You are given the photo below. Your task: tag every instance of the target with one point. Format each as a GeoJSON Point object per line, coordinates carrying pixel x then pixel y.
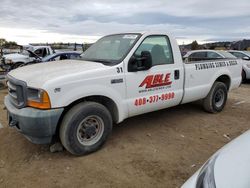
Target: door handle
{"type": "Point", "coordinates": [176, 74]}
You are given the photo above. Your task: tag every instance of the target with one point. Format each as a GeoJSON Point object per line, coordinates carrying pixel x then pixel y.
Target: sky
{"type": "Point", "coordinates": [82, 21]}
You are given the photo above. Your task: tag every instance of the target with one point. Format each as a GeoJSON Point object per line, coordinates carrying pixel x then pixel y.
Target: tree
{"type": "Point", "coordinates": [2, 42]}
{"type": "Point", "coordinates": [194, 45]}
{"type": "Point", "coordinates": [7, 44]}
{"type": "Point", "coordinates": [10, 44]}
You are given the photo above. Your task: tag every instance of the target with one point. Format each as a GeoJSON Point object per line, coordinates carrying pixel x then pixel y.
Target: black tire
{"type": "Point", "coordinates": [76, 125]}
{"type": "Point", "coordinates": [216, 99]}
{"type": "Point", "coordinates": [244, 77]}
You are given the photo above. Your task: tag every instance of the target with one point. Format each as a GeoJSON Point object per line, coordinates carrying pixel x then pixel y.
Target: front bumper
{"type": "Point", "coordinates": [38, 126]}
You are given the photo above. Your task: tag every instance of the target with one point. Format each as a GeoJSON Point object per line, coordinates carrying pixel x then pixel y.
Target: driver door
{"type": "Point", "coordinates": [158, 87]}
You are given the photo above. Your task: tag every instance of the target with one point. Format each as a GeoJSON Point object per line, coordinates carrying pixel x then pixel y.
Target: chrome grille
{"type": "Point", "coordinates": [17, 92]}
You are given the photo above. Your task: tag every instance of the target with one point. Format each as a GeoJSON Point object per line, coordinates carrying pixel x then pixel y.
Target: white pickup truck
{"type": "Point", "coordinates": [28, 55]}
{"type": "Point", "coordinates": [120, 76]}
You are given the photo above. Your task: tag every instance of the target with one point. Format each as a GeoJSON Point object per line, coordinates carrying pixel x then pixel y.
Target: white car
{"type": "Point", "coordinates": [201, 55]}
{"type": "Point", "coordinates": [227, 168]}
{"type": "Point", "coordinates": [245, 55]}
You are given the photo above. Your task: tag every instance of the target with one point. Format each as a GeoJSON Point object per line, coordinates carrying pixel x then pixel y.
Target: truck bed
{"type": "Point", "coordinates": [200, 76]}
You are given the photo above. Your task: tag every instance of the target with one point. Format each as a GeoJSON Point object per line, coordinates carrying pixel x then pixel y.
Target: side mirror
{"type": "Point", "coordinates": [246, 58]}
{"type": "Point", "coordinates": [144, 62]}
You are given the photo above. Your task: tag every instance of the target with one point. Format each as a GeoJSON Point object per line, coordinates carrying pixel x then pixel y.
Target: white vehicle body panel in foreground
{"type": "Point", "coordinates": [232, 166]}
{"type": "Point", "coordinates": [79, 79]}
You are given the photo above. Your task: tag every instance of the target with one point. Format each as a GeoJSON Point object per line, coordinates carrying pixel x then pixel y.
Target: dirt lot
{"type": "Point", "coordinates": [160, 149]}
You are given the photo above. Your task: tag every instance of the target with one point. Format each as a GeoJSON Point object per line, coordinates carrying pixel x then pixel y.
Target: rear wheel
{"type": "Point", "coordinates": [216, 99]}
{"type": "Point", "coordinates": [85, 128]}
{"type": "Point", "coordinates": [244, 77]}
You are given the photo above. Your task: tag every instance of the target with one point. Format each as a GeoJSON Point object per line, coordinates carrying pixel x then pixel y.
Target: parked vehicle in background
{"type": "Point", "coordinates": [15, 60]}
{"type": "Point", "coordinates": [227, 168]}
{"type": "Point", "coordinates": [245, 56]}
{"type": "Point", "coordinates": [57, 56]}
{"type": "Point", "coordinates": [201, 55]}
{"type": "Point", "coordinates": [62, 56]}
{"type": "Point", "coordinates": [120, 76]}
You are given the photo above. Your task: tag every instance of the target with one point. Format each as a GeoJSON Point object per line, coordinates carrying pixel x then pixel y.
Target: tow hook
{"type": "Point", "coordinates": [13, 123]}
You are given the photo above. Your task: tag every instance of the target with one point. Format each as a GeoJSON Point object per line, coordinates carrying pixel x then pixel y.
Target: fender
{"type": "Point", "coordinates": [68, 96]}
{"type": "Point", "coordinates": [219, 74]}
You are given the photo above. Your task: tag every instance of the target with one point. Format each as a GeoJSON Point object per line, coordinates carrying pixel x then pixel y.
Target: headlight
{"type": "Point", "coordinates": [38, 98]}
{"type": "Point", "coordinates": [248, 66]}
{"type": "Point", "coordinates": [8, 61]}
{"type": "Point", "coordinates": [206, 176]}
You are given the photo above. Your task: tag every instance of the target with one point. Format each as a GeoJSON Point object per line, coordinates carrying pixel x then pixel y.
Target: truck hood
{"type": "Point", "coordinates": [37, 75]}
{"type": "Point", "coordinates": [15, 56]}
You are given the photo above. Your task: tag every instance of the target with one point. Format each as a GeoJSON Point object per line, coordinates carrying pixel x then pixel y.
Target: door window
{"type": "Point", "coordinates": [63, 57]}
{"type": "Point", "coordinates": [197, 56]}
{"type": "Point", "coordinates": [160, 49]}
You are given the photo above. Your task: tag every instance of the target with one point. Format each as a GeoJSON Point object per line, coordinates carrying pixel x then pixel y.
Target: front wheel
{"type": "Point", "coordinates": [216, 99]}
{"type": "Point", "coordinates": [85, 128]}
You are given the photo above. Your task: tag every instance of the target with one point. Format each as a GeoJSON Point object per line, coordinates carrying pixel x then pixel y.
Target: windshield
{"type": "Point", "coordinates": [47, 58]}
{"type": "Point", "coordinates": [25, 52]}
{"type": "Point", "coordinates": [248, 53]}
{"type": "Point", "coordinates": [110, 49]}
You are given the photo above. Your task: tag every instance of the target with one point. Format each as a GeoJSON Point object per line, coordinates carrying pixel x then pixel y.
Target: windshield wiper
{"type": "Point", "coordinates": [105, 62]}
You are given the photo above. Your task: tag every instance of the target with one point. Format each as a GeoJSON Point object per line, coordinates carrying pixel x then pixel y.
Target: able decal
{"type": "Point", "coordinates": [154, 99]}
{"type": "Point", "coordinates": [156, 82]}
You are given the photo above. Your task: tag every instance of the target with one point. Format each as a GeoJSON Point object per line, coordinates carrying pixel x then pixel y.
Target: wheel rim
{"type": "Point", "coordinates": [219, 98]}
{"type": "Point", "coordinates": [90, 130]}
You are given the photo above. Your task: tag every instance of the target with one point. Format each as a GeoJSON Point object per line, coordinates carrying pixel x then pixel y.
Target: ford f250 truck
{"type": "Point", "coordinates": [120, 76]}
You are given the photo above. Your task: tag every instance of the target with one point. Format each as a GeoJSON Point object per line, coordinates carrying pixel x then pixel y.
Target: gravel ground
{"type": "Point", "coordinates": [159, 149]}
